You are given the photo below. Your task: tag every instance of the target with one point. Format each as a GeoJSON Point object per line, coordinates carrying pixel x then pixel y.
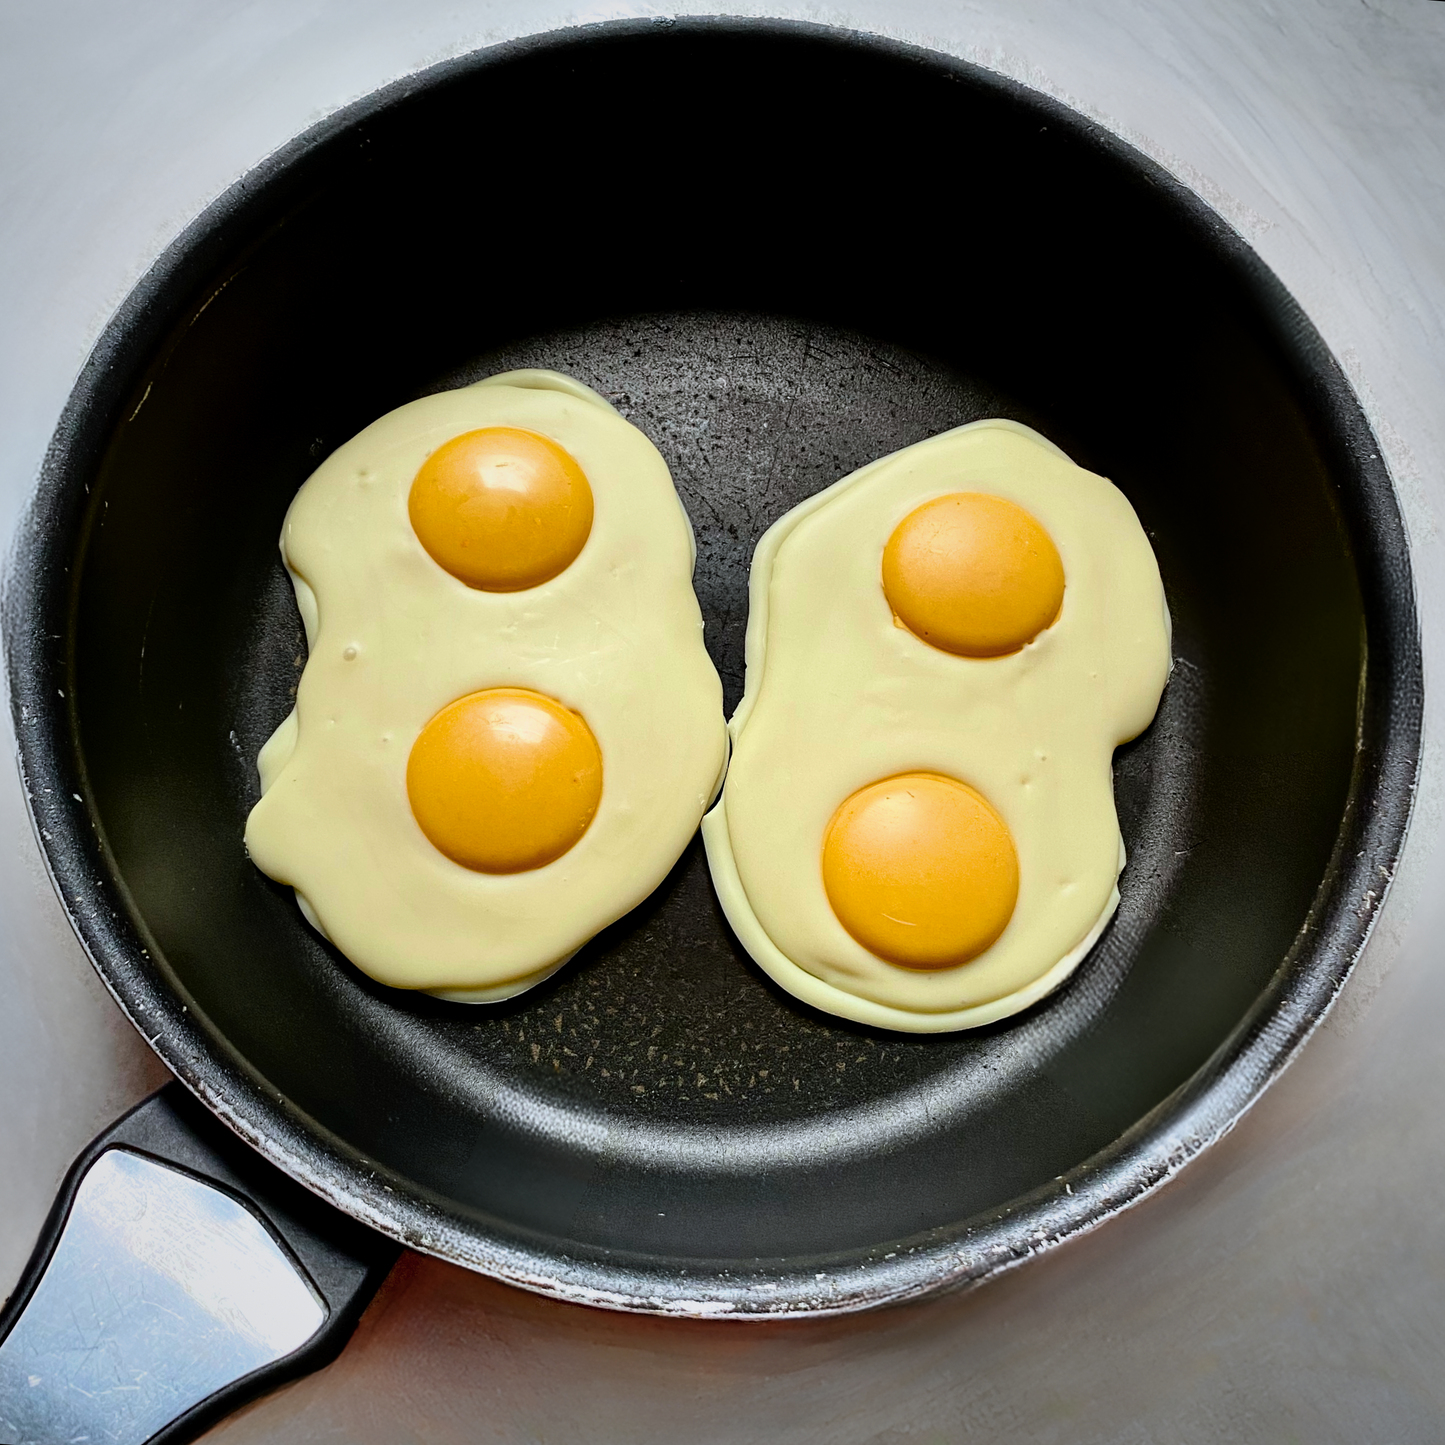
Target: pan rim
{"type": "Point", "coordinates": [37, 605]}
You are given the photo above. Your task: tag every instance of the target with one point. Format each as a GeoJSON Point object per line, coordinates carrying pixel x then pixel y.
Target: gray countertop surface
{"type": "Point", "coordinates": [1290, 1285]}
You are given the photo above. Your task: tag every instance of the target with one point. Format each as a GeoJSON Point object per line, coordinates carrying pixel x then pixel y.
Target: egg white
{"type": "Point", "coordinates": [838, 695]}
{"type": "Point", "coordinates": [394, 638]}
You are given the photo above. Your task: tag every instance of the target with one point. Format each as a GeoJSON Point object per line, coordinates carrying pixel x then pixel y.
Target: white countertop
{"type": "Point", "coordinates": [1290, 1285]}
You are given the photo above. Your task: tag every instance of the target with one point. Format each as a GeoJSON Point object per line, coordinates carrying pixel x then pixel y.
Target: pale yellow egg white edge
{"type": "Point", "coordinates": [717, 838]}
{"type": "Point", "coordinates": [279, 748]}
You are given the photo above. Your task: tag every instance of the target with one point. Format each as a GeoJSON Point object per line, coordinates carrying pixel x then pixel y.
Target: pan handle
{"type": "Point", "coordinates": [178, 1275]}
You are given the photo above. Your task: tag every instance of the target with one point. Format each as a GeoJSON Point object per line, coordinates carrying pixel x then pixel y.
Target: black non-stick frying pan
{"type": "Point", "coordinates": [783, 252]}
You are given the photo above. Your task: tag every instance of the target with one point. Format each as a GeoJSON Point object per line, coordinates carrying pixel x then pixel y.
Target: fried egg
{"type": "Point", "coordinates": [918, 830]}
{"type": "Point", "coordinates": [508, 727]}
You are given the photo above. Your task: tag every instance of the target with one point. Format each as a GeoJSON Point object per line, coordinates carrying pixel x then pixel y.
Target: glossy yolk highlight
{"type": "Point", "coordinates": [501, 509]}
{"type": "Point", "coordinates": [504, 780]}
{"type": "Point", "coordinates": [920, 870]}
{"type": "Point", "coordinates": [973, 574]}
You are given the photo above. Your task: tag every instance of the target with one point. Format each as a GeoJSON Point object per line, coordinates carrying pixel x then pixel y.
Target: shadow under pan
{"type": "Point", "coordinates": [782, 254]}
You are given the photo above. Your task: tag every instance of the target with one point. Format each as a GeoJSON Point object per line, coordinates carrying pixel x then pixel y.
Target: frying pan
{"type": "Point", "coordinates": [783, 251]}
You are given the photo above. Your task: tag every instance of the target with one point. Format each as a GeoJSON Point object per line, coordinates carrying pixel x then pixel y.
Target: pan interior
{"type": "Point", "coordinates": [782, 256]}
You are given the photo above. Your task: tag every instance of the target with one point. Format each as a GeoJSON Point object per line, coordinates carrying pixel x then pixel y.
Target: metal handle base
{"type": "Point", "coordinates": [177, 1276]}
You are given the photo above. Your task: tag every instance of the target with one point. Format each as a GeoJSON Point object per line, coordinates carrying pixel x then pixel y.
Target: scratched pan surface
{"type": "Point", "coordinates": [782, 252]}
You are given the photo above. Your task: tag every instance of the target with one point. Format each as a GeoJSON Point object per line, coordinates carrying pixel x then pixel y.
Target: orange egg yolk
{"type": "Point", "coordinates": [504, 780]}
{"type": "Point", "coordinates": [920, 870]}
{"type": "Point", "coordinates": [973, 574]}
{"type": "Point", "coordinates": [501, 508]}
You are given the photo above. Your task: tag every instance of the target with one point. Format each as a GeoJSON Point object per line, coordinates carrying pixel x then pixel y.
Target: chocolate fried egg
{"type": "Point", "coordinates": [507, 728]}
{"type": "Point", "coordinates": [918, 830]}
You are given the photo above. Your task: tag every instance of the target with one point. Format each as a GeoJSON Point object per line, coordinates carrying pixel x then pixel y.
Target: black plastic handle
{"type": "Point", "coordinates": [335, 1266]}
